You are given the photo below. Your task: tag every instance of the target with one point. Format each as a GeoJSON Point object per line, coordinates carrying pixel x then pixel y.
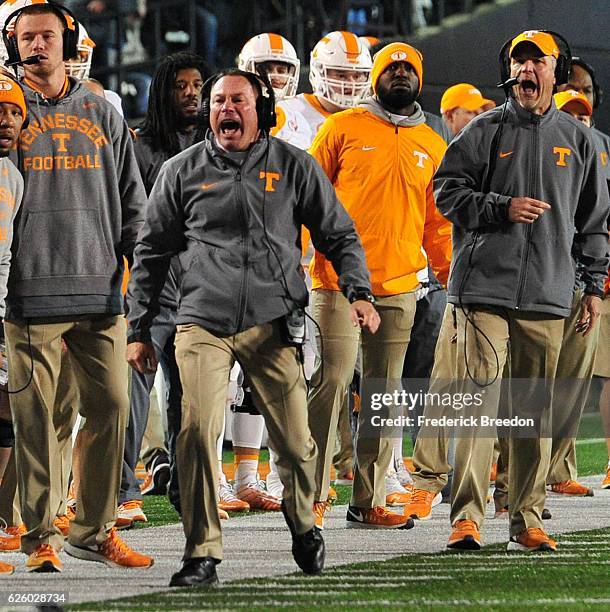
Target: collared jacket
{"type": "Point", "coordinates": [82, 207]}
{"type": "Point", "coordinates": [237, 230]}
{"type": "Point", "coordinates": [382, 168]}
{"type": "Point", "coordinates": [548, 157]}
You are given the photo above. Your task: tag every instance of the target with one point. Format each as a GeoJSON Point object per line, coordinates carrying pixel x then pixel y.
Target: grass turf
{"type": "Point", "coordinates": [575, 578]}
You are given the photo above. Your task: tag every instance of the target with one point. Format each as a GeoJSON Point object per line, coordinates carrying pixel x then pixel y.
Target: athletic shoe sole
{"type": "Point", "coordinates": [467, 543]}
{"type": "Point", "coordinates": [212, 581]}
{"type": "Point", "coordinates": [356, 525]}
{"type": "Point", "coordinates": [46, 568]}
{"type": "Point", "coordinates": [516, 547]}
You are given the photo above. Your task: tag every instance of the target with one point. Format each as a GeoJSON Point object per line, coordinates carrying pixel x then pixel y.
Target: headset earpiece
{"type": "Point", "coordinates": [562, 69]}
{"type": "Point", "coordinates": [70, 35]}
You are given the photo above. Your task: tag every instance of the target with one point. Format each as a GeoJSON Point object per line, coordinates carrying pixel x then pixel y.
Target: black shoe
{"type": "Point", "coordinates": [198, 571]}
{"type": "Point", "coordinates": [308, 548]}
{"type": "Point", "coordinates": [546, 515]}
{"type": "Point", "coordinates": [158, 475]}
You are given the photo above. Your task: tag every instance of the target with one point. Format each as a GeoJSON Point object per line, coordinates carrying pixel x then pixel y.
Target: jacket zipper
{"type": "Point", "coordinates": [243, 287]}
{"type": "Point", "coordinates": [532, 191]}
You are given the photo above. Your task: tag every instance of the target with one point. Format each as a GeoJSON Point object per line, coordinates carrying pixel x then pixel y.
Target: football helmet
{"type": "Point", "coordinates": [344, 52]}
{"type": "Point", "coordinates": [79, 67]}
{"type": "Point", "coordinates": [269, 47]}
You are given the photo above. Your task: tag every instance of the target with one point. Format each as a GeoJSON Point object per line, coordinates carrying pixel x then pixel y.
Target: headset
{"type": "Point", "coordinates": [70, 35]}
{"type": "Point", "coordinates": [265, 101]}
{"type": "Point", "coordinates": [562, 69]}
{"type": "Point", "coordinates": [598, 92]}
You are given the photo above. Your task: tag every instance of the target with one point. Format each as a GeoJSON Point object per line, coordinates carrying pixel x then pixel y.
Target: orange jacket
{"type": "Point", "coordinates": [383, 176]}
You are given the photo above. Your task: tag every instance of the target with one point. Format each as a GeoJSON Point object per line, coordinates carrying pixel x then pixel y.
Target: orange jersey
{"type": "Point", "coordinates": [383, 176]}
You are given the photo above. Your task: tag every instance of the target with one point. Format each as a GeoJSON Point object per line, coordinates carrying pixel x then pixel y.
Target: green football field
{"type": "Point", "coordinates": [575, 578]}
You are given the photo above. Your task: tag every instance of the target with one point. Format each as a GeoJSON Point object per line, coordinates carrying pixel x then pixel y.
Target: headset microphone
{"type": "Point", "coordinates": [506, 85]}
{"type": "Point", "coordinates": [28, 61]}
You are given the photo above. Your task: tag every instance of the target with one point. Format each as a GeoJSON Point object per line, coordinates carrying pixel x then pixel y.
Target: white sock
{"type": "Point", "coordinates": [397, 452]}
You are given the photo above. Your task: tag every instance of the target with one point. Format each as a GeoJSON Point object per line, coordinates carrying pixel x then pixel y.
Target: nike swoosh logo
{"type": "Point", "coordinates": [206, 186]}
{"type": "Point", "coordinates": [358, 516]}
{"type": "Point", "coordinates": [368, 148]}
{"type": "Point", "coordinates": [506, 154]}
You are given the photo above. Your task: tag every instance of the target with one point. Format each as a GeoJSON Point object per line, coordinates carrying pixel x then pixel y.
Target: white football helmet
{"type": "Point", "coordinates": [341, 51]}
{"type": "Point", "coordinates": [79, 67]}
{"type": "Point", "coordinates": [269, 47]}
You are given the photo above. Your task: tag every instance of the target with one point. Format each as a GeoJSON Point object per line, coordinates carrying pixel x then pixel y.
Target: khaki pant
{"type": "Point", "coordinates": [383, 356]}
{"type": "Point", "coordinates": [279, 392]}
{"type": "Point", "coordinates": [96, 346]}
{"type": "Point", "coordinates": [535, 341]}
{"type": "Point", "coordinates": [343, 459]}
{"type": "Point", "coordinates": [575, 363]}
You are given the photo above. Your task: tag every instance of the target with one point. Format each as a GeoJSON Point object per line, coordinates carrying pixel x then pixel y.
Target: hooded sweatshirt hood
{"type": "Point", "coordinates": [373, 105]}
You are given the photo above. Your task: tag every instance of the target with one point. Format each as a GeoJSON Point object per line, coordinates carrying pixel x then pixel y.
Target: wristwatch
{"type": "Point", "coordinates": [367, 296]}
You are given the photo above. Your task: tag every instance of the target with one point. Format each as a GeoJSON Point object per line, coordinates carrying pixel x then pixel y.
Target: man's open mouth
{"type": "Point", "coordinates": [528, 87]}
{"type": "Point", "coordinates": [229, 127]}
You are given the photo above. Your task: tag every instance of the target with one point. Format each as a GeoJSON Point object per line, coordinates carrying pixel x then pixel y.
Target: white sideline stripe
{"type": "Point", "coordinates": [590, 441]}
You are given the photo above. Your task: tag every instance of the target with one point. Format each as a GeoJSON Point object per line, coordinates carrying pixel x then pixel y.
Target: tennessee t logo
{"type": "Point", "coordinates": [270, 177]}
{"type": "Point", "coordinates": [62, 141]}
{"type": "Point", "coordinates": [604, 158]}
{"type": "Point", "coordinates": [562, 152]}
{"type": "Point", "coordinates": [421, 156]}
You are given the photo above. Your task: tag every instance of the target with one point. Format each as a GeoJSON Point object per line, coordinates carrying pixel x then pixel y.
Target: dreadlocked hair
{"type": "Point", "coordinates": [161, 123]}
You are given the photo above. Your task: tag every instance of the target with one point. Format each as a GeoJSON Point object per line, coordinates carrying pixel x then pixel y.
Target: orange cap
{"type": "Point", "coordinates": [543, 40]}
{"type": "Point", "coordinates": [10, 91]}
{"type": "Point", "coordinates": [464, 95]}
{"type": "Point", "coordinates": [397, 52]}
{"type": "Point", "coordinates": [573, 98]}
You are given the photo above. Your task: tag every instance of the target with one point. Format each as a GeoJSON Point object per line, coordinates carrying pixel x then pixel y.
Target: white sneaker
{"type": "Point", "coordinates": [274, 485]}
{"type": "Point", "coordinates": [403, 474]}
{"type": "Point", "coordinates": [130, 512]}
{"type": "Point", "coordinates": [395, 493]}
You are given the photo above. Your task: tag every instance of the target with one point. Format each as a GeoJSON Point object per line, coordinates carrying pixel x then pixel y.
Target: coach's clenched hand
{"type": "Point", "coordinates": [363, 314]}
{"type": "Point", "coordinates": [141, 357]}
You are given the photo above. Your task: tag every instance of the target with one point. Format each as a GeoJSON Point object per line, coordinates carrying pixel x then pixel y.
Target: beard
{"type": "Point", "coordinates": [393, 100]}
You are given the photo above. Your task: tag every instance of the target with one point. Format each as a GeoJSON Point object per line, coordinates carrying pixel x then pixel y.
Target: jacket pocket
{"type": "Point", "coordinates": [68, 242]}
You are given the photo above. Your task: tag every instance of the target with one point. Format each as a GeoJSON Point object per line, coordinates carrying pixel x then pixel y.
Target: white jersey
{"type": "Point", "coordinates": [299, 119]}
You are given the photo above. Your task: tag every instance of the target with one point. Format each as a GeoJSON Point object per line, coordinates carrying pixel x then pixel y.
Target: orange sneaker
{"type": "Point", "coordinates": [320, 508]}
{"type": "Point", "coordinates": [606, 480]}
{"type": "Point", "coordinates": [6, 568]}
{"type": "Point", "coordinates": [258, 498]}
{"type": "Point", "coordinates": [494, 472]}
{"type": "Point", "coordinates": [532, 539]}
{"type": "Point", "coordinates": [43, 560]}
{"type": "Point", "coordinates": [228, 502]}
{"type": "Point", "coordinates": [10, 537]}
{"type": "Point", "coordinates": [71, 501]}
{"type": "Point", "coordinates": [130, 512]}
{"type": "Point", "coordinates": [376, 518]}
{"type": "Point", "coordinates": [571, 487]}
{"type": "Point", "coordinates": [62, 522]}
{"type": "Point", "coordinates": [420, 506]}
{"type": "Point", "coordinates": [332, 496]}
{"type": "Point", "coordinates": [113, 551]}
{"type": "Point", "coordinates": [465, 536]}
{"type": "Point", "coordinates": [222, 515]}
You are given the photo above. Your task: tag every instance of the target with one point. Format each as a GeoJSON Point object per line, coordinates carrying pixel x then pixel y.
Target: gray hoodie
{"type": "Point", "coordinates": [82, 207]}
{"type": "Point", "coordinates": [236, 227]}
{"type": "Point", "coordinates": [528, 267]}
{"type": "Point", "coordinates": [11, 191]}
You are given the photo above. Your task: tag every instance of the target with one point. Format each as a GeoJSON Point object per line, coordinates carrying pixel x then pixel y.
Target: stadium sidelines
{"type": "Point", "coordinates": [258, 545]}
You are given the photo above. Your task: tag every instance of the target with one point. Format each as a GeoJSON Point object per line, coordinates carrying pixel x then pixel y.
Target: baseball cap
{"type": "Point", "coordinates": [543, 40]}
{"type": "Point", "coordinates": [464, 95]}
{"type": "Point", "coordinates": [10, 91]}
{"type": "Point", "coordinates": [397, 52]}
{"type": "Point", "coordinates": [573, 98]}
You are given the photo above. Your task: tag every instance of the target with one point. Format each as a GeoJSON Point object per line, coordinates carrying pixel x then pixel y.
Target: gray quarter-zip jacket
{"type": "Point", "coordinates": [82, 207]}
{"type": "Point", "coordinates": [549, 157]}
{"type": "Point", "coordinates": [237, 230]}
